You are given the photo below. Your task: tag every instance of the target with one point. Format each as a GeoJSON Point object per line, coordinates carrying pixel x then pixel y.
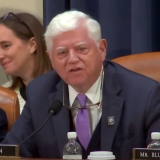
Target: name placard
{"type": "Point", "coordinates": [145, 153]}
{"type": "Point", "coordinates": [9, 150]}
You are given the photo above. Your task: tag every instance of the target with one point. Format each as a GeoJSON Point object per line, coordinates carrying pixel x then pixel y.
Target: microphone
{"type": "Point", "coordinates": [54, 109]}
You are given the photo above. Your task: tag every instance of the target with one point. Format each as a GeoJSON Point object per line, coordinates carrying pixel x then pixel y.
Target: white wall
{"type": "Point", "coordinates": [32, 6]}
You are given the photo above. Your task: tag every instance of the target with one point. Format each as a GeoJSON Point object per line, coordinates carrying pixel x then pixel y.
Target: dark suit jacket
{"type": "Point", "coordinates": [3, 124]}
{"type": "Point", "coordinates": [133, 100]}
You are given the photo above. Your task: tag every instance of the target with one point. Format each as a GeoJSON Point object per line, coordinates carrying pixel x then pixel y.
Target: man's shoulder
{"type": "Point", "coordinates": [45, 82]}
{"type": "Point", "coordinates": [129, 77]}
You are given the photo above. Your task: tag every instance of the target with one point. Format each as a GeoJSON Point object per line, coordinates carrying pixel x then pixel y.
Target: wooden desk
{"type": "Point", "coordinates": [7, 158]}
{"type": "Point", "coordinates": [14, 158]}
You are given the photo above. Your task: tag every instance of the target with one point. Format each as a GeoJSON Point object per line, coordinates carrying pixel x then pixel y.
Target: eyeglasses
{"type": "Point", "coordinates": [90, 106]}
{"type": "Point", "coordinates": [10, 14]}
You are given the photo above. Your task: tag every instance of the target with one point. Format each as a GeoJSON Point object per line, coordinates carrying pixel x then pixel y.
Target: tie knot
{"type": "Point", "coordinates": [82, 98]}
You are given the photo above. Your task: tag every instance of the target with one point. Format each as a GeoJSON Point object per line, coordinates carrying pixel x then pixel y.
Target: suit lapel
{"type": "Point", "coordinates": [61, 122]}
{"type": "Point", "coordinates": [112, 106]}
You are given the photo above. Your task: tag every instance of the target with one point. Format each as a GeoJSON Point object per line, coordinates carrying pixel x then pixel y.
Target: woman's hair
{"type": "Point", "coordinates": [70, 20]}
{"type": "Point", "coordinates": [26, 26]}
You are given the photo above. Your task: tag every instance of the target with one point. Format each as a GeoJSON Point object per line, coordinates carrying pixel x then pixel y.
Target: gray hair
{"type": "Point", "coordinates": [69, 21]}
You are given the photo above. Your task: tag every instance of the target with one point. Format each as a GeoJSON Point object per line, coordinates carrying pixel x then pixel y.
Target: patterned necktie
{"type": "Point", "coordinates": [82, 122]}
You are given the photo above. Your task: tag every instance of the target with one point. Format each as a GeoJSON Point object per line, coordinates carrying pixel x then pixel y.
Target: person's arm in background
{"type": "Point", "coordinates": [3, 124]}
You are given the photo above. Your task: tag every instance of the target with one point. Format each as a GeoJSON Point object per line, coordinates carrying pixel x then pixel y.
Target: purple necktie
{"type": "Point", "coordinates": [82, 122]}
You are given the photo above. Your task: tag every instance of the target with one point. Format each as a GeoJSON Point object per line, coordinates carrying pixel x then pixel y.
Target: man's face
{"type": "Point", "coordinates": [77, 58]}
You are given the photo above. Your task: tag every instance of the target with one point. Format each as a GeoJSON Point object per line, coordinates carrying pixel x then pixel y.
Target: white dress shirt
{"type": "Point", "coordinates": [93, 95]}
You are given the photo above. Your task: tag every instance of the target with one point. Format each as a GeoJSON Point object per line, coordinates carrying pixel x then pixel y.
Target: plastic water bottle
{"type": "Point", "coordinates": [155, 143]}
{"type": "Point", "coordinates": [72, 150]}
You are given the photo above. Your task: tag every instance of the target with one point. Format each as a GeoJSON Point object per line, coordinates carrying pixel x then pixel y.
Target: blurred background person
{"type": "Point", "coordinates": [22, 51]}
{"type": "Point", "coordinates": [3, 124]}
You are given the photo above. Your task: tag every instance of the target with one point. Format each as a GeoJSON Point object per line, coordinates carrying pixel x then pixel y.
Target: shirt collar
{"type": "Point", "coordinates": [93, 93]}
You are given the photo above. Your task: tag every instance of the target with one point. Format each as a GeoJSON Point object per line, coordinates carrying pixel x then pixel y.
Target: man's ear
{"type": "Point", "coordinates": [103, 48]}
{"type": "Point", "coordinates": [32, 45]}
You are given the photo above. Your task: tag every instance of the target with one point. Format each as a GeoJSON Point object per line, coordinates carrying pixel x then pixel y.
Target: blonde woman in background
{"type": "Point", "coordinates": [22, 51]}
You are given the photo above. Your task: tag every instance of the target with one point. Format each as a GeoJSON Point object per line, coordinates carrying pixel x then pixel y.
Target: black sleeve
{"type": "Point", "coordinates": [3, 124]}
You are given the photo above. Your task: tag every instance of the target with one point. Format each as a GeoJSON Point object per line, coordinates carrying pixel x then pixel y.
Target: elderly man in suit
{"type": "Point", "coordinates": [110, 107]}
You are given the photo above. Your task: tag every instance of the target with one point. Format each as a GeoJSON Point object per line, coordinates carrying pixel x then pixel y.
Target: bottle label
{"type": "Point", "coordinates": [72, 156]}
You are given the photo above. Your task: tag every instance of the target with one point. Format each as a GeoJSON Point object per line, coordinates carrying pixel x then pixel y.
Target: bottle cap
{"type": "Point", "coordinates": [155, 135]}
{"type": "Point", "coordinates": [71, 135]}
